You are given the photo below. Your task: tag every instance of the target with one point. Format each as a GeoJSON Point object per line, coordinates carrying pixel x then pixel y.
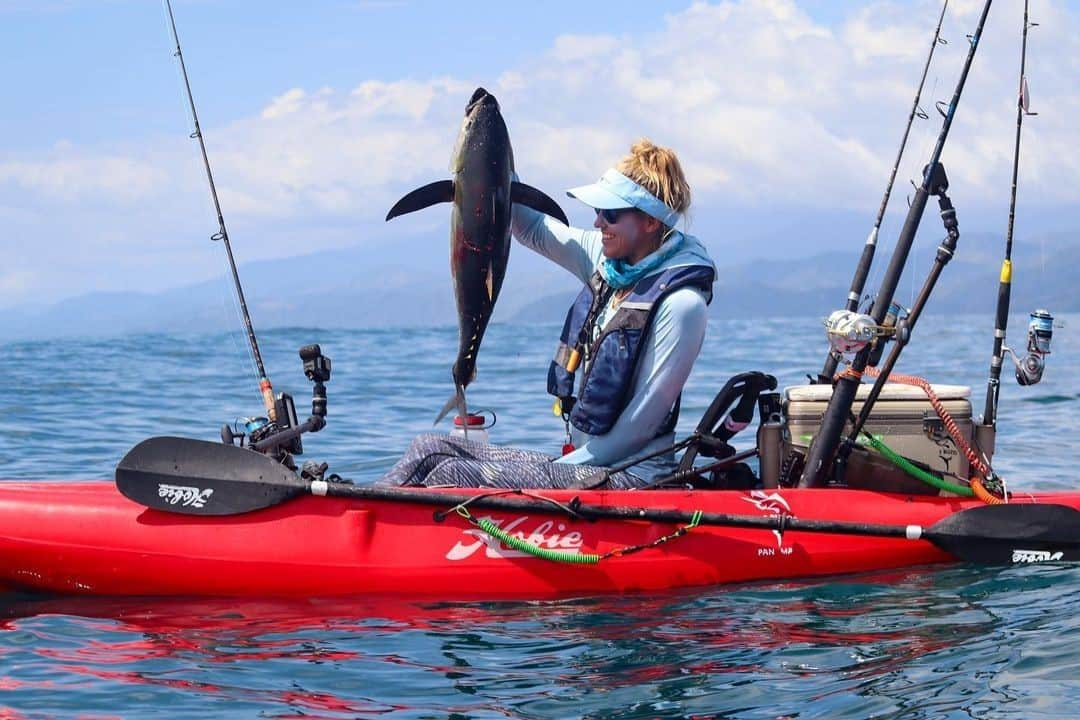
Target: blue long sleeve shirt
{"type": "Point", "coordinates": [670, 348]}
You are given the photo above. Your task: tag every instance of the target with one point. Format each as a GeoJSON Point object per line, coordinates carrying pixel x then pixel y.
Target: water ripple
{"type": "Point", "coordinates": [958, 642]}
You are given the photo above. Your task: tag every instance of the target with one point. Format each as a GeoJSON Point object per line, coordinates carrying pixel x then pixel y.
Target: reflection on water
{"type": "Point", "coordinates": [918, 643]}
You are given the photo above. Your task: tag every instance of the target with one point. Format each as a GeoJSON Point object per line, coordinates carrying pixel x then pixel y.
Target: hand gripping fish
{"type": "Point", "coordinates": [481, 192]}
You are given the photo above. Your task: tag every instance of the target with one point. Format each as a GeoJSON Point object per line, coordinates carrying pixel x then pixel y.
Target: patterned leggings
{"type": "Point", "coordinates": [444, 460]}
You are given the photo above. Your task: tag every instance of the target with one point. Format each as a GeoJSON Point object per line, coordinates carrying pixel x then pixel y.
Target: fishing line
{"type": "Point", "coordinates": [927, 146]}
{"type": "Point", "coordinates": [222, 234]}
{"type": "Point", "coordinates": [223, 293]}
{"type": "Point", "coordinates": [229, 305]}
{"type": "Point", "coordinates": [862, 269]}
{"type": "Point", "coordinates": [1001, 319]}
{"type": "Point", "coordinates": [824, 451]}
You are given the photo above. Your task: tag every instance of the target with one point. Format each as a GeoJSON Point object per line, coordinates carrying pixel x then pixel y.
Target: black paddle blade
{"type": "Point", "coordinates": [195, 477]}
{"type": "Point", "coordinates": [1012, 533]}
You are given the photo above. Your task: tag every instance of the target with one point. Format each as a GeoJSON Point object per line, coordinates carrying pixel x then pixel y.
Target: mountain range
{"type": "Point", "coordinates": [358, 288]}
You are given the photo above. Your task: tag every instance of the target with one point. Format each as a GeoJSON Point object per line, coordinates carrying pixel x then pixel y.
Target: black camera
{"type": "Point", "coordinates": [316, 365]}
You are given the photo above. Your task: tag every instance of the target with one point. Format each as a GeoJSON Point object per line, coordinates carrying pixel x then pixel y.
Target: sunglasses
{"type": "Point", "coordinates": [611, 216]}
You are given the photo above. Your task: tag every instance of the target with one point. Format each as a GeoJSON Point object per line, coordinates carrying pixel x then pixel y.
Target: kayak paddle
{"type": "Point", "coordinates": [195, 477]}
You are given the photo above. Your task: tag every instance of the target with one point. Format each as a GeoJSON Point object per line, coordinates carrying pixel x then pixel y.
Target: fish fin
{"type": "Point", "coordinates": [457, 400]}
{"type": "Point", "coordinates": [537, 200]}
{"type": "Point", "coordinates": [431, 194]}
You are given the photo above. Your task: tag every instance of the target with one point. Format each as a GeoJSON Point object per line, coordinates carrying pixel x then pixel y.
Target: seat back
{"type": "Point", "coordinates": [730, 411]}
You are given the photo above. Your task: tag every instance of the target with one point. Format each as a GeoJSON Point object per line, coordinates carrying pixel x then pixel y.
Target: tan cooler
{"type": "Point", "coordinates": [903, 418]}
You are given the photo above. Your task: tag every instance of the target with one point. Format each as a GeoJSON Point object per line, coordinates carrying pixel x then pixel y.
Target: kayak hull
{"type": "Point", "coordinates": [86, 538]}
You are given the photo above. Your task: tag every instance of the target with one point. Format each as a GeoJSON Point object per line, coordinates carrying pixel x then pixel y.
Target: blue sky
{"type": "Point", "coordinates": [319, 115]}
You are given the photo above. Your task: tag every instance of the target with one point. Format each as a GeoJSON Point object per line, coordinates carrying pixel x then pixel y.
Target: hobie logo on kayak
{"type": "Point", "coordinates": [549, 534]}
{"type": "Point", "coordinates": [1032, 556]}
{"type": "Point", "coordinates": [185, 495]}
{"type": "Point", "coordinates": [771, 503]}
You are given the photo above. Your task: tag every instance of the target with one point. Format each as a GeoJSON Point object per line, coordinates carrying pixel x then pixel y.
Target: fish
{"type": "Point", "coordinates": [481, 193]}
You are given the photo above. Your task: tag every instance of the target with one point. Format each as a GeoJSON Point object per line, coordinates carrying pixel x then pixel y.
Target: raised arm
{"type": "Point", "coordinates": [575, 249]}
{"type": "Point", "coordinates": [672, 346]}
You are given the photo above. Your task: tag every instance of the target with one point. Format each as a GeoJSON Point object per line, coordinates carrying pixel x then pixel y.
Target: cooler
{"type": "Point", "coordinates": [903, 418]}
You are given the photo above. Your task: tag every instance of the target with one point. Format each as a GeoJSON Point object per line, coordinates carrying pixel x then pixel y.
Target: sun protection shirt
{"type": "Point", "coordinates": [673, 344]}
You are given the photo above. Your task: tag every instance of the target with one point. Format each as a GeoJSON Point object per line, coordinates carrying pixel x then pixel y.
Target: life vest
{"type": "Point", "coordinates": [613, 356]}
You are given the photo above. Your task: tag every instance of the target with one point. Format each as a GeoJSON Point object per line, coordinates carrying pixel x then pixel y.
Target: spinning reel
{"type": "Point", "coordinates": [281, 437]}
{"type": "Point", "coordinates": [1029, 369]}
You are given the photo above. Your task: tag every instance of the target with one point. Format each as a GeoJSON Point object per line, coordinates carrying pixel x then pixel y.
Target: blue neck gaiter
{"type": "Point", "coordinates": [620, 274]}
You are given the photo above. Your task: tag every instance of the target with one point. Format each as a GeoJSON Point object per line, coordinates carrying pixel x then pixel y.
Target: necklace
{"type": "Point", "coordinates": [618, 296]}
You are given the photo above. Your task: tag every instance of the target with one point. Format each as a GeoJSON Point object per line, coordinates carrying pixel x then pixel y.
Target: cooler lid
{"type": "Point", "coordinates": [891, 391]}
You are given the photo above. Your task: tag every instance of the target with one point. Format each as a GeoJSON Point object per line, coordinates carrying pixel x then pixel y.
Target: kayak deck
{"type": "Point", "coordinates": [86, 538]}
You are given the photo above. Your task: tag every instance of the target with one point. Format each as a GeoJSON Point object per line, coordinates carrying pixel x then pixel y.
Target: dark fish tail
{"type": "Point", "coordinates": [457, 400]}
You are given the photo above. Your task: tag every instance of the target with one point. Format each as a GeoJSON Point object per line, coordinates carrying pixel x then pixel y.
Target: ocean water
{"type": "Point", "coordinates": [944, 642]}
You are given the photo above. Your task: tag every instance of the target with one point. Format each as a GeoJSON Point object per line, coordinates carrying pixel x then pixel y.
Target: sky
{"type": "Point", "coordinates": [318, 116]}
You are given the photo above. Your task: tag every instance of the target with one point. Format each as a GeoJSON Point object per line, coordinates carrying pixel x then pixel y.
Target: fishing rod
{"type": "Point", "coordinates": [222, 234]}
{"type": "Point", "coordinates": [944, 254]}
{"type": "Point", "coordinates": [823, 451]}
{"type": "Point", "coordinates": [993, 385]}
{"type": "Point", "coordinates": [862, 270]}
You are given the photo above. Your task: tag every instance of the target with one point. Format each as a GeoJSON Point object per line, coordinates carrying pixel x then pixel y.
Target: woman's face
{"type": "Point", "coordinates": [631, 237]}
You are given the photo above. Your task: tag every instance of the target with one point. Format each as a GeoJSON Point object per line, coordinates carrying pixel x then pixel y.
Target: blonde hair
{"type": "Point", "coordinates": [657, 169]}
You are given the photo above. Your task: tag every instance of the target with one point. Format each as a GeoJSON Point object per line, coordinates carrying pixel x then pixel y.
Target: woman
{"type": "Point", "coordinates": [634, 332]}
{"type": "Point", "coordinates": [638, 325]}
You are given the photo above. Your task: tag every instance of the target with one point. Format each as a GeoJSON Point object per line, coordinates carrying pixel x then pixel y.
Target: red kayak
{"type": "Point", "coordinates": [85, 537]}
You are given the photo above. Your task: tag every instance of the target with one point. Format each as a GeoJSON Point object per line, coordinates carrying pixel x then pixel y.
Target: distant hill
{"type": "Point", "coordinates": [351, 288]}
{"type": "Point", "coordinates": [818, 285]}
{"type": "Point", "coordinates": [356, 288]}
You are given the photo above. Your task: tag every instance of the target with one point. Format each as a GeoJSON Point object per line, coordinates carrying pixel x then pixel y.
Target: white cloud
{"type": "Point", "coordinates": [757, 97]}
{"type": "Point", "coordinates": [284, 104]}
{"type": "Point", "coordinates": [75, 175]}
{"type": "Point", "coordinates": [764, 105]}
{"type": "Point", "coordinates": [889, 30]}
{"type": "Point", "coordinates": [335, 152]}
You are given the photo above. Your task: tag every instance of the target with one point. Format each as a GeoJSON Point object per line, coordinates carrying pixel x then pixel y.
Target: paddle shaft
{"type": "Point", "coordinates": [519, 500]}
